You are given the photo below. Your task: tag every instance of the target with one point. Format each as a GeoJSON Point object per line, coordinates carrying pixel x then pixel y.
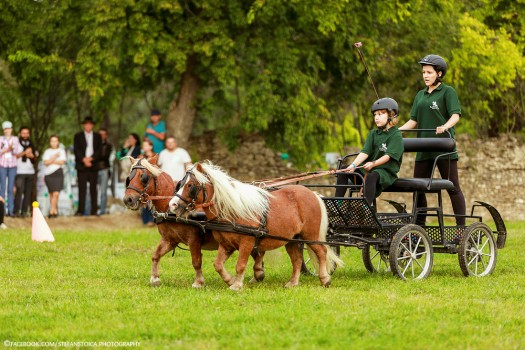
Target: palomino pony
{"type": "Point", "coordinates": [147, 180]}
{"type": "Point", "coordinates": [292, 211]}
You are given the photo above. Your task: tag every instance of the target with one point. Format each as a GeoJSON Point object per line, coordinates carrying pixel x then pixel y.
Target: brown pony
{"type": "Point", "coordinates": [147, 180]}
{"type": "Point", "coordinates": [292, 211]}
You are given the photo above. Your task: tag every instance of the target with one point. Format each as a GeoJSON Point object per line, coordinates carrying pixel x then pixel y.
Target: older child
{"type": "Point", "coordinates": [382, 153]}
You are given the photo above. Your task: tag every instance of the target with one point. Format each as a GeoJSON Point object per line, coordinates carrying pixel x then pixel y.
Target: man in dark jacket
{"type": "Point", "coordinates": [87, 146]}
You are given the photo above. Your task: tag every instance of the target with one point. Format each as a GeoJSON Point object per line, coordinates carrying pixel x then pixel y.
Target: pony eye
{"type": "Point", "coordinates": [144, 178]}
{"type": "Point", "coordinates": [193, 191]}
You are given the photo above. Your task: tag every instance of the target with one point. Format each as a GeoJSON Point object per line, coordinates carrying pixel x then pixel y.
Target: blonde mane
{"type": "Point", "coordinates": [155, 171]}
{"type": "Point", "coordinates": [232, 198]}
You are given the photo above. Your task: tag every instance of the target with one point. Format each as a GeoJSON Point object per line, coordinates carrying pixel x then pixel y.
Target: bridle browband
{"type": "Point", "coordinates": [143, 196]}
{"type": "Point", "coordinates": [194, 192]}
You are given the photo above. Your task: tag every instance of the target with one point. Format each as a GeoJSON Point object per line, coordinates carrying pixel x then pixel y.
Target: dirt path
{"type": "Point", "coordinates": [125, 220]}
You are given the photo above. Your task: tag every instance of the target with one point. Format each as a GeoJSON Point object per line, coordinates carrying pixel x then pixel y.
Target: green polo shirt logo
{"type": "Point", "coordinates": [434, 105]}
{"type": "Point", "coordinates": [383, 148]}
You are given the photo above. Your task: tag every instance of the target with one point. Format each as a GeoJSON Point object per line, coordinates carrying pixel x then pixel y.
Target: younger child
{"type": "Point", "coordinates": [381, 155]}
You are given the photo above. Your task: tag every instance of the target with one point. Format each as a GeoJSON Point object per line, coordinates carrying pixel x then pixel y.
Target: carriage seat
{"type": "Point", "coordinates": [432, 144]}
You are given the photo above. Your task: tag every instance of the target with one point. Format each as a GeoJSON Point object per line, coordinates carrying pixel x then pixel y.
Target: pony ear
{"type": "Point", "coordinates": [199, 168]}
{"type": "Point", "coordinates": [188, 166]}
{"type": "Point", "coordinates": [153, 160]}
{"type": "Point", "coordinates": [131, 159]}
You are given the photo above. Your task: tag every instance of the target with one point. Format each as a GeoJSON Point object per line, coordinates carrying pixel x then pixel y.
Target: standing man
{"type": "Point", "coordinates": [87, 146]}
{"type": "Point", "coordinates": [25, 174]}
{"type": "Point", "coordinates": [103, 169]}
{"type": "Point", "coordinates": [173, 159]}
{"type": "Point", "coordinates": [156, 131]}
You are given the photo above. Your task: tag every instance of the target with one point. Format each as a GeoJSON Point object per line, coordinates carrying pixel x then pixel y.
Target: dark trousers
{"type": "Point", "coordinates": [24, 189]}
{"type": "Point", "coordinates": [423, 169]}
{"type": "Point", "coordinates": [370, 188]}
{"type": "Point", "coordinates": [85, 176]}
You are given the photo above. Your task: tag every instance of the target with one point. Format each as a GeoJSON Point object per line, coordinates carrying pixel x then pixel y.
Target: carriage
{"type": "Point", "coordinates": [390, 242]}
{"type": "Point", "coordinates": [393, 242]}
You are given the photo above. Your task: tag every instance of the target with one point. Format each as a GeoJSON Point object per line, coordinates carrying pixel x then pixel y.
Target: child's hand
{"type": "Point", "coordinates": [369, 166]}
{"type": "Point", "coordinates": [351, 168]}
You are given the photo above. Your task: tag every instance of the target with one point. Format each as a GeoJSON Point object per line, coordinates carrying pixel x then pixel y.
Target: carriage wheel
{"type": "Point", "coordinates": [411, 253]}
{"type": "Point", "coordinates": [375, 261]}
{"type": "Point", "coordinates": [477, 250]}
{"type": "Point", "coordinates": [308, 267]}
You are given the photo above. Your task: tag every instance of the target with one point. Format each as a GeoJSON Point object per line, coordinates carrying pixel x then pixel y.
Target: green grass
{"type": "Point", "coordinates": [94, 286]}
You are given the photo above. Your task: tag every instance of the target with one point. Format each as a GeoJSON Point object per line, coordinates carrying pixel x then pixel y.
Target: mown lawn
{"type": "Point", "coordinates": [94, 287]}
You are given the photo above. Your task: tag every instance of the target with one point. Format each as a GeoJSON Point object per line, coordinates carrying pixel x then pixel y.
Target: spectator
{"type": "Point", "coordinates": [173, 159]}
{"type": "Point", "coordinates": [25, 173]}
{"type": "Point", "coordinates": [103, 170]}
{"type": "Point", "coordinates": [53, 158]}
{"type": "Point", "coordinates": [2, 213]}
{"type": "Point", "coordinates": [9, 148]}
{"type": "Point", "coordinates": [147, 152]}
{"type": "Point", "coordinates": [156, 131]}
{"type": "Point", "coordinates": [87, 146]}
{"type": "Point", "coordinates": [131, 148]}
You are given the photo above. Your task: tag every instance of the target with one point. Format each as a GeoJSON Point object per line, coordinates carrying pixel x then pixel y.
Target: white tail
{"type": "Point", "coordinates": [332, 260]}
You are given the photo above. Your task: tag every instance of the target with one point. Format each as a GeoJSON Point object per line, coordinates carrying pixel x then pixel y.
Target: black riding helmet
{"type": "Point", "coordinates": [386, 103]}
{"type": "Point", "coordinates": [437, 62]}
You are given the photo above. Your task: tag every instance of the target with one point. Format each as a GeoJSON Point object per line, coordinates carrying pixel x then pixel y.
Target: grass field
{"type": "Point", "coordinates": [94, 287]}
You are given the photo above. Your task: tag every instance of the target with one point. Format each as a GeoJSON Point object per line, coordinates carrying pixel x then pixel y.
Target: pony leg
{"type": "Point", "coordinates": [196, 260]}
{"type": "Point", "coordinates": [222, 256]}
{"type": "Point", "coordinates": [321, 252]}
{"type": "Point", "coordinates": [163, 247]}
{"type": "Point", "coordinates": [242, 261]}
{"type": "Point", "coordinates": [296, 256]}
{"type": "Point", "coordinates": [258, 267]}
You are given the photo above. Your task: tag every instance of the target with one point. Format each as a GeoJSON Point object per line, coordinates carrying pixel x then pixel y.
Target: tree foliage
{"type": "Point", "coordinates": [285, 69]}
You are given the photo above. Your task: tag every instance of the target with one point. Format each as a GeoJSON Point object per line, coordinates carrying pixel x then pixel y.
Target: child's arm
{"type": "Point", "coordinates": [411, 124]}
{"type": "Point", "coordinates": [361, 157]}
{"type": "Point", "coordinates": [380, 161]}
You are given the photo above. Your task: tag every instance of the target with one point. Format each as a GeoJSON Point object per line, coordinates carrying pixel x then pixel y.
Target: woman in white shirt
{"type": "Point", "coordinates": [54, 158]}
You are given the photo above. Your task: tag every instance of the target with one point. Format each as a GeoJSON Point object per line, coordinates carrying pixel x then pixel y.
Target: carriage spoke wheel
{"type": "Point", "coordinates": [411, 253]}
{"type": "Point", "coordinates": [308, 268]}
{"type": "Point", "coordinates": [477, 250]}
{"type": "Point", "coordinates": [375, 261]}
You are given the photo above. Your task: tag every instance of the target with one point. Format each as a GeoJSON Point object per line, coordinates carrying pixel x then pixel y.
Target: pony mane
{"type": "Point", "coordinates": [155, 171]}
{"type": "Point", "coordinates": [232, 198]}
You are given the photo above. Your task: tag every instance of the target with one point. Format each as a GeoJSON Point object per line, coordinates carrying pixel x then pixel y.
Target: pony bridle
{"type": "Point", "coordinates": [193, 194]}
{"type": "Point", "coordinates": [143, 196]}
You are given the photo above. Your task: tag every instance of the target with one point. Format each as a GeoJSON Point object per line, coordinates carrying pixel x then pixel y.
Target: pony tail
{"type": "Point", "coordinates": [332, 260]}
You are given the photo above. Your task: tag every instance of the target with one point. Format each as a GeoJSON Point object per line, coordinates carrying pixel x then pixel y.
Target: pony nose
{"type": "Point", "coordinates": [173, 206]}
{"type": "Point", "coordinates": [128, 200]}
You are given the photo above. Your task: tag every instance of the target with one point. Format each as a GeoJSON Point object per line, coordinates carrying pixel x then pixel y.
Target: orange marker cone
{"type": "Point", "coordinates": [40, 230]}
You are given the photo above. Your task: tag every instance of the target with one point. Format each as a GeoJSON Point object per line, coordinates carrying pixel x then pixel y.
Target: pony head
{"type": "Point", "coordinates": [208, 185]}
{"type": "Point", "coordinates": [141, 182]}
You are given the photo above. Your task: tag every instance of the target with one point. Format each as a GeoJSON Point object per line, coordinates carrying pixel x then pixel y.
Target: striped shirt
{"type": "Point", "coordinates": [8, 158]}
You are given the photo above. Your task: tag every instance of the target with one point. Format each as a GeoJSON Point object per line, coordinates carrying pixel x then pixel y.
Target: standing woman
{"type": "Point", "coordinates": [54, 157]}
{"type": "Point", "coordinates": [436, 107]}
{"type": "Point", "coordinates": [9, 148]}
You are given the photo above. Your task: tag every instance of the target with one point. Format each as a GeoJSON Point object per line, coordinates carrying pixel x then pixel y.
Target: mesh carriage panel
{"type": "Point", "coordinates": [451, 232]}
{"type": "Point", "coordinates": [350, 212]}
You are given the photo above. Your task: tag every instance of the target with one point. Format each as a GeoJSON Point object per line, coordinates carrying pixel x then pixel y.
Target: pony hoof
{"type": "Point", "coordinates": [256, 279]}
{"type": "Point", "coordinates": [291, 285]}
{"type": "Point", "coordinates": [197, 284]}
{"type": "Point", "coordinates": [327, 283]}
{"type": "Point", "coordinates": [154, 281]}
{"type": "Point", "coordinates": [235, 287]}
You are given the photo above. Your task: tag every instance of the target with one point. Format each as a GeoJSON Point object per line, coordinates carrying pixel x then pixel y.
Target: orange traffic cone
{"type": "Point", "coordinates": [40, 230]}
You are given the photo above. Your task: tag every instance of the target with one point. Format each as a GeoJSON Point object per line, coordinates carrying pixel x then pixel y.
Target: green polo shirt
{"type": "Point", "coordinates": [380, 143]}
{"type": "Point", "coordinates": [433, 110]}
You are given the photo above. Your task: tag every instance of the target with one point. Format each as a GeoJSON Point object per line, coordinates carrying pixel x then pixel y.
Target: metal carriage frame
{"type": "Point", "coordinates": [393, 242]}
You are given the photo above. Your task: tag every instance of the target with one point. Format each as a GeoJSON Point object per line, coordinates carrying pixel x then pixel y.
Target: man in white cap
{"type": "Point", "coordinates": [9, 148]}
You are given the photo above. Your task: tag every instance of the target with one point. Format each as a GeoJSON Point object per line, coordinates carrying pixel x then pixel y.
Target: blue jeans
{"type": "Point", "coordinates": [9, 175]}
{"type": "Point", "coordinates": [147, 217]}
{"type": "Point", "coordinates": [103, 179]}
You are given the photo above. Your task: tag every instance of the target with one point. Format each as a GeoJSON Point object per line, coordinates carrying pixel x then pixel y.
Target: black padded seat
{"type": "Point", "coordinates": [420, 185]}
